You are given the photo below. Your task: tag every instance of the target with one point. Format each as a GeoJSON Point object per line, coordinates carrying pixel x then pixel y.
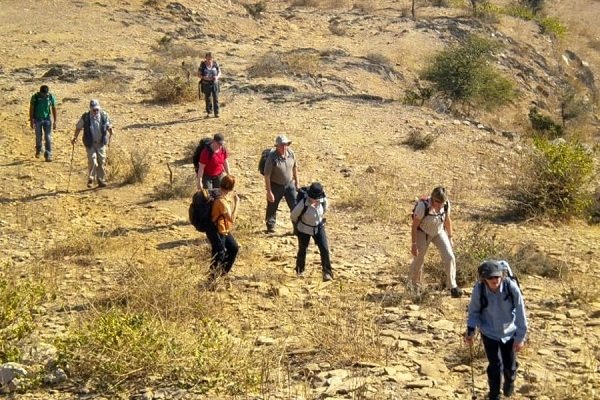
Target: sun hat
{"type": "Point", "coordinates": [490, 269]}
{"type": "Point", "coordinates": [94, 104]}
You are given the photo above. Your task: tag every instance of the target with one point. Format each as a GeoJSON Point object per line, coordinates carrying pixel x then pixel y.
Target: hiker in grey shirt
{"type": "Point", "coordinates": [97, 131]}
{"type": "Point", "coordinates": [281, 179]}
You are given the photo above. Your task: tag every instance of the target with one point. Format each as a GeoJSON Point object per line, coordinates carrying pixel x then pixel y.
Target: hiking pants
{"type": "Point", "coordinates": [212, 182]}
{"type": "Point", "coordinates": [43, 130]}
{"type": "Point", "coordinates": [224, 251]}
{"type": "Point", "coordinates": [96, 162]}
{"type": "Point", "coordinates": [502, 361]}
{"type": "Point", "coordinates": [211, 96]}
{"type": "Point", "coordinates": [279, 191]}
{"type": "Point", "coordinates": [442, 242]}
{"type": "Point", "coordinates": [320, 239]}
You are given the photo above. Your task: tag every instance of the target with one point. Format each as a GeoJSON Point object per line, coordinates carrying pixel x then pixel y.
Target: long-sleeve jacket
{"type": "Point", "coordinates": [499, 320]}
{"type": "Point", "coordinates": [312, 218]}
{"type": "Point", "coordinates": [222, 214]}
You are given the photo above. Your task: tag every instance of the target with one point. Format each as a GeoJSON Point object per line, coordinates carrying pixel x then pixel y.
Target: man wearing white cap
{"type": "Point", "coordinates": [281, 179]}
{"type": "Point", "coordinates": [97, 131]}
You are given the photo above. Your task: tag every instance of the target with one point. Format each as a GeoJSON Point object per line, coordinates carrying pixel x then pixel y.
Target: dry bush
{"type": "Point", "coordinates": [256, 10]}
{"type": "Point", "coordinates": [173, 51]}
{"type": "Point", "coordinates": [365, 6]}
{"type": "Point", "coordinates": [77, 245]}
{"type": "Point", "coordinates": [107, 84]}
{"type": "Point", "coordinates": [128, 168]}
{"type": "Point", "coordinates": [179, 187]}
{"type": "Point", "coordinates": [324, 4]}
{"type": "Point", "coordinates": [380, 59]}
{"type": "Point", "coordinates": [338, 29]}
{"type": "Point", "coordinates": [420, 140]}
{"type": "Point", "coordinates": [294, 63]}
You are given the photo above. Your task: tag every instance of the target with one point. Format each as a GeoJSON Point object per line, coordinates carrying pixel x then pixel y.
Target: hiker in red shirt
{"type": "Point", "coordinates": [213, 165]}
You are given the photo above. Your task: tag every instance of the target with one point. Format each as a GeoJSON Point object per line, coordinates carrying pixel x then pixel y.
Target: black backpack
{"type": "Point", "coordinates": [506, 286]}
{"type": "Point", "coordinates": [201, 207]}
{"type": "Point", "coordinates": [263, 159]}
{"type": "Point", "coordinates": [204, 143]}
{"type": "Point", "coordinates": [427, 201]}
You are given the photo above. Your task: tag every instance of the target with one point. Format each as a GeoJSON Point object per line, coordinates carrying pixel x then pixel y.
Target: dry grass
{"type": "Point", "coordinates": [294, 63]}
{"type": "Point", "coordinates": [324, 4]}
{"type": "Point", "coordinates": [128, 168]}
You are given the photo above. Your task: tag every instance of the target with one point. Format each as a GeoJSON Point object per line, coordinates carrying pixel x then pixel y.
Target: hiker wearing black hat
{"type": "Point", "coordinates": [432, 224]}
{"type": "Point", "coordinates": [281, 179]}
{"type": "Point", "coordinates": [41, 105]}
{"type": "Point", "coordinates": [213, 164]}
{"type": "Point", "coordinates": [497, 308]}
{"type": "Point", "coordinates": [97, 132]}
{"type": "Point", "coordinates": [307, 217]}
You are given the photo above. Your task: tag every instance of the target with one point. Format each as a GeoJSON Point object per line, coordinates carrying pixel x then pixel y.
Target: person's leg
{"type": "Point", "coordinates": [215, 95]}
{"type": "Point", "coordinates": [92, 164]}
{"type": "Point", "coordinates": [290, 194]}
{"type": "Point", "coordinates": [207, 98]}
{"type": "Point", "coordinates": [510, 364]}
{"type": "Point", "coordinates": [494, 369]}
{"type": "Point", "coordinates": [303, 240]}
{"type": "Point", "coordinates": [442, 243]}
{"type": "Point", "coordinates": [271, 213]}
{"type": "Point", "coordinates": [37, 124]}
{"type": "Point", "coordinates": [321, 241]}
{"type": "Point", "coordinates": [415, 273]}
{"type": "Point", "coordinates": [232, 250]}
{"type": "Point", "coordinates": [47, 127]}
{"type": "Point", "coordinates": [207, 182]}
{"type": "Point", "coordinates": [217, 252]}
{"type": "Point", "coordinates": [101, 158]}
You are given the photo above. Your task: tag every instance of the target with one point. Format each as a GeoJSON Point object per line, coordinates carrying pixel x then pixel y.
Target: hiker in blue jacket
{"type": "Point", "coordinates": [498, 309]}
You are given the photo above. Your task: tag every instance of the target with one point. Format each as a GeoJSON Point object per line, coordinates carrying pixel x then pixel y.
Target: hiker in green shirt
{"type": "Point", "coordinates": [40, 106]}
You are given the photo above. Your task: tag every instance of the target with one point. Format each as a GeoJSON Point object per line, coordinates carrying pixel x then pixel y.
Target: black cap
{"type": "Point", "coordinates": [491, 268]}
{"type": "Point", "coordinates": [44, 89]}
{"type": "Point", "coordinates": [315, 191]}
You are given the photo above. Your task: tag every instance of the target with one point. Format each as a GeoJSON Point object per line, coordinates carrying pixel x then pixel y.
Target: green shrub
{"type": "Point", "coordinates": [519, 11]}
{"type": "Point", "coordinates": [556, 182]}
{"type": "Point", "coordinates": [553, 27]}
{"type": "Point", "coordinates": [117, 347]}
{"type": "Point", "coordinates": [463, 73]}
{"type": "Point", "coordinates": [18, 299]}
{"type": "Point", "coordinates": [544, 124]}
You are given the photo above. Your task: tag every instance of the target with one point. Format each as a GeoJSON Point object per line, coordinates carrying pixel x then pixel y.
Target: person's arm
{"type": "Point", "coordinates": [53, 108]}
{"type": "Point", "coordinates": [31, 107]}
{"type": "Point", "coordinates": [413, 235]}
{"type": "Point", "coordinates": [268, 170]}
{"type": "Point", "coordinates": [217, 214]}
{"type": "Point", "coordinates": [78, 129]}
{"type": "Point", "coordinates": [297, 210]}
{"type": "Point", "coordinates": [218, 71]}
{"type": "Point", "coordinates": [520, 318]}
{"type": "Point", "coordinates": [226, 166]}
{"type": "Point", "coordinates": [295, 175]}
{"type": "Point", "coordinates": [474, 314]}
{"type": "Point", "coordinates": [199, 175]}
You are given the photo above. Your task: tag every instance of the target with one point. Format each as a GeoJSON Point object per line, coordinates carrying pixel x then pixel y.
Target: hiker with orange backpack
{"type": "Point", "coordinates": [432, 224]}
{"type": "Point", "coordinates": [497, 308]}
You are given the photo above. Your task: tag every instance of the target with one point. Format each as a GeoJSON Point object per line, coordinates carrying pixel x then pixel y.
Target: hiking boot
{"type": "Point", "coordinates": [494, 396]}
{"type": "Point", "coordinates": [300, 274]}
{"type": "Point", "coordinates": [101, 183]}
{"type": "Point", "coordinates": [48, 158]}
{"type": "Point", "coordinates": [90, 183]}
{"type": "Point", "coordinates": [508, 388]}
{"type": "Point", "coordinates": [455, 292]}
{"type": "Point", "coordinates": [216, 115]}
{"type": "Point", "coordinates": [38, 154]}
{"type": "Point", "coordinates": [327, 277]}
{"type": "Point", "coordinates": [270, 229]}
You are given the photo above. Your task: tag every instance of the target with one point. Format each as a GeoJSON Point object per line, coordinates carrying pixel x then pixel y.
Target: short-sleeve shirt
{"type": "Point", "coordinates": [214, 162]}
{"type": "Point", "coordinates": [279, 169]}
{"type": "Point", "coordinates": [433, 223]}
{"type": "Point", "coordinates": [42, 105]}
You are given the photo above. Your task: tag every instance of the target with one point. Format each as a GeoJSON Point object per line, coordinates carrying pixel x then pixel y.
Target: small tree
{"type": "Point", "coordinates": [463, 73]}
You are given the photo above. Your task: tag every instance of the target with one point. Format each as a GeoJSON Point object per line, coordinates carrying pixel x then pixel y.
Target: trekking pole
{"type": "Point", "coordinates": [473, 395]}
{"type": "Point", "coordinates": [71, 167]}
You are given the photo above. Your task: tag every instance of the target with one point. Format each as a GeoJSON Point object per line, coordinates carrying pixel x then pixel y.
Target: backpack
{"type": "Point", "coordinates": [506, 286]}
{"type": "Point", "coordinates": [263, 159]}
{"type": "Point", "coordinates": [201, 207]}
{"type": "Point", "coordinates": [204, 143]}
{"type": "Point", "coordinates": [427, 201]}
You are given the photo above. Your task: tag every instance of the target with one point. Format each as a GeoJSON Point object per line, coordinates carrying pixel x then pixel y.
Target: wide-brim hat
{"type": "Point", "coordinates": [315, 191]}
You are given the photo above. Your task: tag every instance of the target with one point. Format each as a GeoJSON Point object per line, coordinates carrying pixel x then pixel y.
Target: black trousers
{"type": "Point", "coordinates": [502, 361]}
{"type": "Point", "coordinates": [320, 239]}
{"type": "Point", "coordinates": [211, 96]}
{"type": "Point", "coordinates": [224, 250]}
{"type": "Point", "coordinates": [279, 192]}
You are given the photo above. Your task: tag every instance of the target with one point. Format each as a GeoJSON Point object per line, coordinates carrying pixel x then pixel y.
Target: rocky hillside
{"type": "Point", "coordinates": [103, 291]}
